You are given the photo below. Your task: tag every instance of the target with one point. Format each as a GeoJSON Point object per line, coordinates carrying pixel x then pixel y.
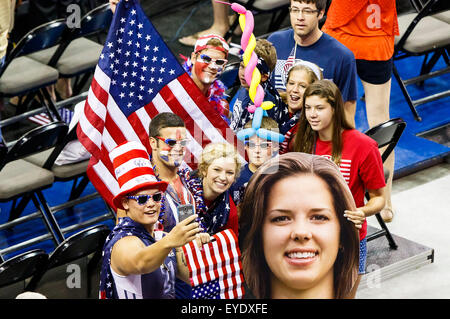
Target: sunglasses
{"type": "Point", "coordinates": [143, 199]}
{"type": "Point", "coordinates": [263, 145]}
{"type": "Point", "coordinates": [207, 59]}
{"type": "Point", "coordinates": [172, 142]}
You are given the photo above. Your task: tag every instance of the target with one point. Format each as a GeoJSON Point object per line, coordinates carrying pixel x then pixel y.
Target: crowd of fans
{"type": "Point", "coordinates": [297, 206]}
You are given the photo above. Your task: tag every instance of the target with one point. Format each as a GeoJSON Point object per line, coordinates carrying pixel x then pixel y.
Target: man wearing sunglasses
{"type": "Point", "coordinates": [205, 65]}
{"type": "Point", "coordinates": [139, 261]}
{"type": "Point", "coordinates": [168, 140]}
{"type": "Point", "coordinates": [305, 41]}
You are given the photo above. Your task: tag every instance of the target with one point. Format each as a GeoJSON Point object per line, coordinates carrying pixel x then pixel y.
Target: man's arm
{"type": "Point", "coordinates": [182, 267]}
{"type": "Point", "coordinates": [350, 111]}
{"type": "Point", "coordinates": [130, 256]}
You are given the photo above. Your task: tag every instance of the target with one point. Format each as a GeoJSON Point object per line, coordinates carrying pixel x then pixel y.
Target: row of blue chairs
{"type": "Point", "coordinates": [51, 51]}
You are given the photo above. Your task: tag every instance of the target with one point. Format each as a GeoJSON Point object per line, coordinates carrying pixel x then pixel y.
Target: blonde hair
{"type": "Point", "coordinates": [213, 151]}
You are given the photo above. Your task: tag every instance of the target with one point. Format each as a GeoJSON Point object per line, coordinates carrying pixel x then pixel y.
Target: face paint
{"type": "Point", "coordinates": [164, 154]}
{"type": "Point", "coordinates": [203, 76]}
{"type": "Point", "coordinates": [205, 66]}
{"type": "Point", "coordinates": [172, 155]}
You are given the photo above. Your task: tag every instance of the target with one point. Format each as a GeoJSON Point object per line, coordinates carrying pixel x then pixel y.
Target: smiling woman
{"type": "Point", "coordinates": [296, 242]}
{"type": "Point", "coordinates": [218, 169]}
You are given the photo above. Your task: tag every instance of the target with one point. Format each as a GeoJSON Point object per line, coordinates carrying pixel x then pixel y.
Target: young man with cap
{"type": "Point", "coordinates": [205, 65]}
{"type": "Point", "coordinates": [138, 261]}
{"type": "Point", "coordinates": [305, 41]}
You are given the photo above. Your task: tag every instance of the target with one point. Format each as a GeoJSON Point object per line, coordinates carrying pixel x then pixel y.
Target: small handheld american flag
{"type": "Point", "coordinates": [215, 271]}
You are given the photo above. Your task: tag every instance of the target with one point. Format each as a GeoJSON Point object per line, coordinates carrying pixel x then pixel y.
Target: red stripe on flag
{"type": "Point", "coordinates": [114, 130]}
{"type": "Point", "coordinates": [88, 144]}
{"type": "Point", "coordinates": [99, 92]}
{"type": "Point", "coordinates": [101, 187]}
{"type": "Point", "coordinates": [140, 130]}
{"type": "Point", "coordinates": [178, 109]}
{"type": "Point", "coordinates": [106, 161]}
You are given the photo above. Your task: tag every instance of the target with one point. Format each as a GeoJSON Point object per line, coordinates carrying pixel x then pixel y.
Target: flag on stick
{"type": "Point", "coordinates": [136, 78]}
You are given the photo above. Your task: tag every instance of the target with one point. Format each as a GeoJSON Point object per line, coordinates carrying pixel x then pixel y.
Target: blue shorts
{"type": "Point", "coordinates": [362, 256]}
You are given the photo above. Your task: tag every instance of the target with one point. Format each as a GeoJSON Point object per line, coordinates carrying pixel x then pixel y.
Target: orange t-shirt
{"type": "Point", "coordinates": [367, 27]}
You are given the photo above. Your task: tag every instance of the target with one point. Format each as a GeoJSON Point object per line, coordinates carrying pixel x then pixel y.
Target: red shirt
{"type": "Point", "coordinates": [361, 165]}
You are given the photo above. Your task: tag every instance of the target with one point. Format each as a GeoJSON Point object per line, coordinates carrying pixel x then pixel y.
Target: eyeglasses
{"type": "Point", "coordinates": [263, 145]}
{"type": "Point", "coordinates": [207, 59]}
{"type": "Point", "coordinates": [143, 199]}
{"type": "Point", "coordinates": [172, 142]}
{"type": "Point", "coordinates": [305, 11]}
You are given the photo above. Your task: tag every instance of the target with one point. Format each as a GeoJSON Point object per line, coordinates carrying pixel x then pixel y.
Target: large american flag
{"type": "Point", "coordinates": [215, 271]}
{"type": "Point", "coordinates": [136, 78]}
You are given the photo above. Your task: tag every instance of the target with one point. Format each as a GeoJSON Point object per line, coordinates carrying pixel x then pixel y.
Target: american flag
{"type": "Point", "coordinates": [43, 118]}
{"type": "Point", "coordinates": [215, 271]}
{"type": "Point", "coordinates": [136, 78]}
{"type": "Point", "coordinates": [289, 63]}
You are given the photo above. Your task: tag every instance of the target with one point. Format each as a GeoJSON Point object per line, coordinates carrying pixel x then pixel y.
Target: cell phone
{"type": "Point", "coordinates": [184, 211]}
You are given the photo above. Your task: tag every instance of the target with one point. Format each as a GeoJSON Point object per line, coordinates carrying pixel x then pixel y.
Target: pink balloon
{"type": "Point", "coordinates": [251, 108]}
{"type": "Point", "coordinates": [238, 8]}
{"type": "Point", "coordinates": [259, 96]}
{"type": "Point", "coordinates": [248, 71]}
{"type": "Point", "coordinates": [248, 29]}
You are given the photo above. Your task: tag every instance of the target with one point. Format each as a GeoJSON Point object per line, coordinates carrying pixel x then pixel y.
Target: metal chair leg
{"type": "Point", "coordinates": [388, 235]}
{"type": "Point", "coordinates": [49, 219]}
{"type": "Point", "coordinates": [406, 94]}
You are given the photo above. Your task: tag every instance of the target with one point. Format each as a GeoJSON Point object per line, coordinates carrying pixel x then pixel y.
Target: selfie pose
{"type": "Point", "coordinates": [138, 261]}
{"type": "Point", "coordinates": [302, 248]}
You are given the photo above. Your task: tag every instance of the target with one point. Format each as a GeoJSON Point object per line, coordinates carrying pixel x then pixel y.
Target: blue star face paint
{"type": "Point", "coordinates": [172, 145]}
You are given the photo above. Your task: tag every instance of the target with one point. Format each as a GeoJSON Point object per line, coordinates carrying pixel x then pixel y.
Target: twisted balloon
{"type": "Point", "coordinates": [250, 59]}
{"type": "Point", "coordinates": [253, 79]}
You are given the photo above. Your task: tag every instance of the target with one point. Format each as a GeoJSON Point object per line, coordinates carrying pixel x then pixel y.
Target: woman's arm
{"type": "Point", "coordinates": [374, 205]}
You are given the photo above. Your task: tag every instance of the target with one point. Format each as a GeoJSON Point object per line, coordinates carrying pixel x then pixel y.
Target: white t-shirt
{"type": "Point", "coordinates": [74, 152]}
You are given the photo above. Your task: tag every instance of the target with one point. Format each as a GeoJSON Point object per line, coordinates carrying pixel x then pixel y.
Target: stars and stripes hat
{"type": "Point", "coordinates": [133, 170]}
{"type": "Point", "coordinates": [202, 43]}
